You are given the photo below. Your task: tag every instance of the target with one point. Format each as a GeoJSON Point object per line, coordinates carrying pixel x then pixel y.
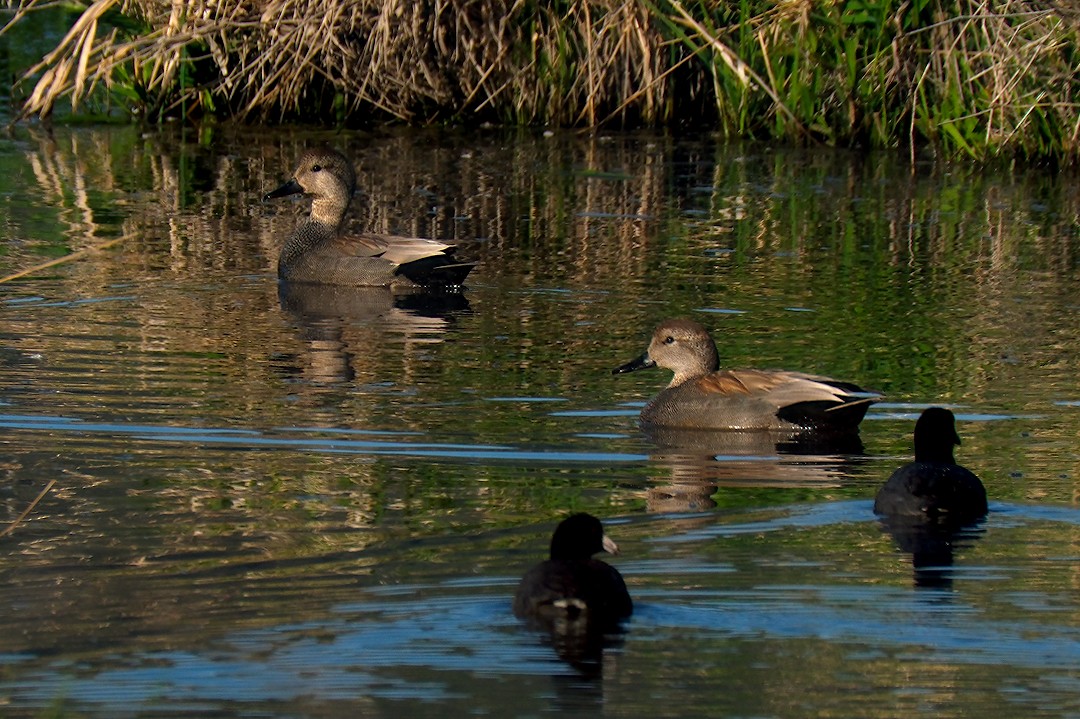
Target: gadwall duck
{"type": "Point", "coordinates": [571, 586]}
{"type": "Point", "coordinates": [702, 396]}
{"type": "Point", "coordinates": [934, 486]}
{"type": "Point", "coordinates": [318, 252]}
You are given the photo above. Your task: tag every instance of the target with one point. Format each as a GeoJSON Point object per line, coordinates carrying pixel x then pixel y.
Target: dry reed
{"type": "Point", "coordinates": [978, 78]}
{"type": "Point", "coordinates": [422, 61]}
{"type": "Point", "coordinates": [26, 512]}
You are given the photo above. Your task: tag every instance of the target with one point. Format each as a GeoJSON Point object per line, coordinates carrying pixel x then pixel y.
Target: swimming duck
{"type": "Point", "coordinates": [934, 486]}
{"type": "Point", "coordinates": [570, 586]}
{"type": "Point", "coordinates": [318, 252]}
{"type": "Point", "coordinates": [702, 396]}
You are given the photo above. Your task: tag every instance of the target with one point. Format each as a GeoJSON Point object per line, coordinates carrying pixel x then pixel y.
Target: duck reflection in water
{"type": "Point", "coordinates": [578, 600]}
{"type": "Point", "coordinates": [933, 505]}
{"type": "Point", "coordinates": [695, 464]}
{"type": "Point", "coordinates": [330, 319]}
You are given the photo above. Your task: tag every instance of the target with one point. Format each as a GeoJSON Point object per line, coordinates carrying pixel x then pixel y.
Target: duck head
{"type": "Point", "coordinates": [935, 436]}
{"type": "Point", "coordinates": [580, 536]}
{"type": "Point", "coordinates": [327, 177]}
{"type": "Point", "coordinates": [682, 346]}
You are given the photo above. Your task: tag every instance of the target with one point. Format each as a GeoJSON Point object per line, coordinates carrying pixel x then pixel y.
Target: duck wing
{"type": "Point", "coordinates": [782, 387]}
{"type": "Point", "coordinates": [398, 250]}
{"type": "Point", "coordinates": [803, 399]}
{"type": "Point", "coordinates": [741, 382]}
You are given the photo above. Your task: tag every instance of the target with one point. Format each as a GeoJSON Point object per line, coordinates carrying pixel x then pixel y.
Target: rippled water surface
{"type": "Point", "coordinates": [253, 500]}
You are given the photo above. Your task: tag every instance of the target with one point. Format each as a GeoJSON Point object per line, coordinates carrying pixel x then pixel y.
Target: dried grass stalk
{"type": "Point", "coordinates": [415, 61]}
{"type": "Point", "coordinates": [980, 78]}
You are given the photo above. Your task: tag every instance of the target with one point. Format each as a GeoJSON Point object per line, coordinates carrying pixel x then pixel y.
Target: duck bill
{"type": "Point", "coordinates": [642, 362]}
{"type": "Point", "coordinates": [609, 545]}
{"type": "Point", "coordinates": [292, 187]}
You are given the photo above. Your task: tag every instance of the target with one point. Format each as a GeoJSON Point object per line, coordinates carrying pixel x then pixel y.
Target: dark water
{"type": "Point", "coordinates": [318, 504]}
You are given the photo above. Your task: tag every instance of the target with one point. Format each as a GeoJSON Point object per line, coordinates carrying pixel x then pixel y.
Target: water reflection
{"type": "Point", "coordinates": [324, 314]}
{"type": "Point", "coordinates": [214, 543]}
{"type": "Point", "coordinates": [791, 595]}
{"type": "Point", "coordinates": [932, 546]}
{"type": "Point", "coordinates": [694, 464]}
{"type": "Point", "coordinates": [579, 644]}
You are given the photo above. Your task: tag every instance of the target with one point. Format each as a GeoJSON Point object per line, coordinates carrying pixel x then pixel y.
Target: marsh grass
{"type": "Point", "coordinates": [970, 77]}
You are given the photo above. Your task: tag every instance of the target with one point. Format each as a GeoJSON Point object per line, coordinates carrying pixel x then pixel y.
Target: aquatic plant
{"type": "Point", "coordinates": [974, 78]}
{"type": "Point", "coordinates": [963, 75]}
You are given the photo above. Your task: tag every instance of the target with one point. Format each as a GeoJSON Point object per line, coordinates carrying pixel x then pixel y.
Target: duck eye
{"type": "Point", "coordinates": [669, 340]}
{"type": "Point", "coordinates": [316, 168]}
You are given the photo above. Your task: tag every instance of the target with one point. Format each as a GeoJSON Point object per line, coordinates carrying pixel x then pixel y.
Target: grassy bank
{"type": "Point", "coordinates": [959, 76]}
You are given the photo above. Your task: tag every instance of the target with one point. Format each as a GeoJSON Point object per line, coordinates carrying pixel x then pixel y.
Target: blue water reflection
{"type": "Point", "coordinates": [366, 648]}
{"type": "Point", "coordinates": [276, 501]}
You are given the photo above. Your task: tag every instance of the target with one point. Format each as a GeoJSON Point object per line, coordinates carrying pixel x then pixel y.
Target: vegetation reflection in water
{"type": "Point", "coordinates": [254, 485]}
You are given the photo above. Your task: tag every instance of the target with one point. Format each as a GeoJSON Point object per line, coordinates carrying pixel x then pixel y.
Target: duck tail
{"type": "Point", "coordinates": [571, 608]}
{"type": "Point", "coordinates": [435, 271]}
{"type": "Point", "coordinates": [843, 415]}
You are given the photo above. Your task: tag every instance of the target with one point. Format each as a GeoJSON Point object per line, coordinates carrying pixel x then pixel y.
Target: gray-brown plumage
{"type": "Point", "coordinates": [934, 486]}
{"type": "Point", "coordinates": [702, 396]}
{"type": "Point", "coordinates": [319, 252]}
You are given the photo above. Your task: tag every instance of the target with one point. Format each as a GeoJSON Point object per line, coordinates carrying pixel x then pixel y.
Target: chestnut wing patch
{"type": "Point", "coordinates": [741, 382]}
